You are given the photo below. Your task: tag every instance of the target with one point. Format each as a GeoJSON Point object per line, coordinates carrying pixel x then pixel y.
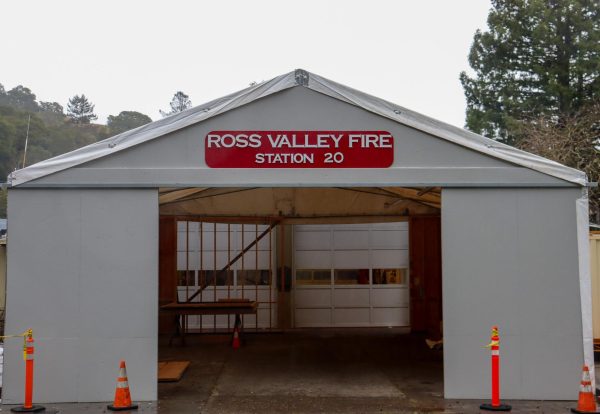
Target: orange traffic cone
{"type": "Point", "coordinates": [587, 401]}
{"type": "Point", "coordinates": [122, 396]}
{"type": "Point", "coordinates": [236, 338]}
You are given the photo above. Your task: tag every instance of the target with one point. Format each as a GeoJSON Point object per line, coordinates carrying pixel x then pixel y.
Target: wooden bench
{"type": "Point", "coordinates": [235, 307]}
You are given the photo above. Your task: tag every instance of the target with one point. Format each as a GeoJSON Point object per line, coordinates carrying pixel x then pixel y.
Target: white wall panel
{"type": "Point", "coordinates": [521, 273]}
{"type": "Point", "coordinates": [83, 274]}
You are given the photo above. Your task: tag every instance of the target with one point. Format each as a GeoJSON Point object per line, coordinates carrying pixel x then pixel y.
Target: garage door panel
{"type": "Point", "coordinates": [351, 239]}
{"type": "Point", "coordinates": [312, 227]}
{"type": "Point", "coordinates": [395, 239]}
{"type": "Point", "coordinates": [389, 297]}
{"type": "Point", "coordinates": [357, 259]}
{"type": "Point", "coordinates": [390, 317]}
{"type": "Point", "coordinates": [313, 260]}
{"type": "Point", "coordinates": [390, 259]}
{"type": "Point", "coordinates": [400, 225]}
{"type": "Point", "coordinates": [351, 317]}
{"type": "Point", "coordinates": [313, 318]}
{"type": "Point", "coordinates": [311, 298]}
{"type": "Point", "coordinates": [312, 240]}
{"type": "Point", "coordinates": [359, 226]}
{"type": "Point", "coordinates": [351, 297]}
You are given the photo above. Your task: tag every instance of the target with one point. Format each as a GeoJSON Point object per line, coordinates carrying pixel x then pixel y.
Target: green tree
{"type": "Point", "coordinates": [179, 103]}
{"type": "Point", "coordinates": [537, 58]}
{"type": "Point", "coordinates": [22, 98]}
{"type": "Point", "coordinates": [53, 107]}
{"type": "Point", "coordinates": [80, 110]}
{"type": "Point", "coordinates": [125, 121]}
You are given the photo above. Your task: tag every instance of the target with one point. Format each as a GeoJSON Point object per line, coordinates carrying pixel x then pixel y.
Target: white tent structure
{"type": "Point", "coordinates": [82, 262]}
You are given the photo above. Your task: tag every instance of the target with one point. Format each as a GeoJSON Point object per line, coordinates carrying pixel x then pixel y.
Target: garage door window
{"type": "Point", "coordinates": [389, 276]}
{"type": "Point", "coordinates": [352, 276]}
{"type": "Point", "coordinates": [313, 276]}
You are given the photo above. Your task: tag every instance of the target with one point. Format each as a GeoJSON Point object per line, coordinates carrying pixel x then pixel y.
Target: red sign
{"type": "Point", "coordinates": [299, 149]}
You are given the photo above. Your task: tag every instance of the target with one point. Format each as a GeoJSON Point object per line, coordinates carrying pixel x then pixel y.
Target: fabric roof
{"type": "Point", "coordinates": [316, 83]}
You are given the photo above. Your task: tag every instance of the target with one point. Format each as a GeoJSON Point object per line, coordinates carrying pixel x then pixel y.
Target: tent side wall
{"type": "Point", "coordinates": [510, 257]}
{"type": "Point", "coordinates": [83, 274]}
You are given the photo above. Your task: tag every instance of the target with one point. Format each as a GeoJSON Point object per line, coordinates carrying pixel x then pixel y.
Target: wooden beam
{"type": "Point", "coordinates": [175, 195]}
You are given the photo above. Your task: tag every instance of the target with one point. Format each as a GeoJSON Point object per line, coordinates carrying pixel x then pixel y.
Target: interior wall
{"type": "Point", "coordinates": [510, 258]}
{"type": "Point", "coordinates": [83, 274]}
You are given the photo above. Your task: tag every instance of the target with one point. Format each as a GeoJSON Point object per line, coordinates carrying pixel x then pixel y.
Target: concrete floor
{"type": "Point", "coordinates": [319, 371]}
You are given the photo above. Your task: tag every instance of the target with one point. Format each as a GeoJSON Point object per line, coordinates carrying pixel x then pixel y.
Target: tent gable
{"type": "Point", "coordinates": [80, 160]}
{"type": "Point", "coordinates": [178, 158]}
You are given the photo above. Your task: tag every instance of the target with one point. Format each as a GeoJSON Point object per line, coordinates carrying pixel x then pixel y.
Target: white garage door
{"type": "Point", "coordinates": [351, 275]}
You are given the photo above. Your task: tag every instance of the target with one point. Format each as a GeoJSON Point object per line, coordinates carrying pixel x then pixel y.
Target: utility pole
{"type": "Point", "coordinates": [26, 141]}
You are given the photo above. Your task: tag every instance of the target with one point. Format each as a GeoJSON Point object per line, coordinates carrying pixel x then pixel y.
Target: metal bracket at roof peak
{"type": "Point", "coordinates": [301, 77]}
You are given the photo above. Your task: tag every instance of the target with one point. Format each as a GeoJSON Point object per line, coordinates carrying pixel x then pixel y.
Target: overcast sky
{"type": "Point", "coordinates": [134, 55]}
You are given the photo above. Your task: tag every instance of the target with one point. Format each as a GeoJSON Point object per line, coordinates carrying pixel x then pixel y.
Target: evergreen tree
{"type": "Point", "coordinates": [537, 58]}
{"type": "Point", "coordinates": [179, 103]}
{"type": "Point", "coordinates": [80, 110]}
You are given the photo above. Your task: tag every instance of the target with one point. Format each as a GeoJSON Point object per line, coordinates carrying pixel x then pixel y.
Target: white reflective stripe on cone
{"type": "Point", "coordinates": [122, 373]}
{"type": "Point", "coordinates": [495, 352]}
{"type": "Point", "coordinates": [122, 384]}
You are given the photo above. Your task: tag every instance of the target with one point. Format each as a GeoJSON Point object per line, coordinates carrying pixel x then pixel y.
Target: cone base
{"type": "Point", "coordinates": [32, 409]}
{"type": "Point", "coordinates": [575, 410]}
{"type": "Point", "coordinates": [113, 408]}
{"type": "Point", "coordinates": [490, 407]}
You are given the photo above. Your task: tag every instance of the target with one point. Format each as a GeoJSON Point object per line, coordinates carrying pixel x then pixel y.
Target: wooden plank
{"type": "Point", "coordinates": [167, 268]}
{"type": "Point", "coordinates": [177, 194]}
{"type": "Point", "coordinates": [210, 308]}
{"type": "Point", "coordinates": [425, 275]}
{"type": "Point", "coordinates": [171, 371]}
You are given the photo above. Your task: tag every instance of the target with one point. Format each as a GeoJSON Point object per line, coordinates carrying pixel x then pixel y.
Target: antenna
{"type": "Point", "coordinates": [26, 141]}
